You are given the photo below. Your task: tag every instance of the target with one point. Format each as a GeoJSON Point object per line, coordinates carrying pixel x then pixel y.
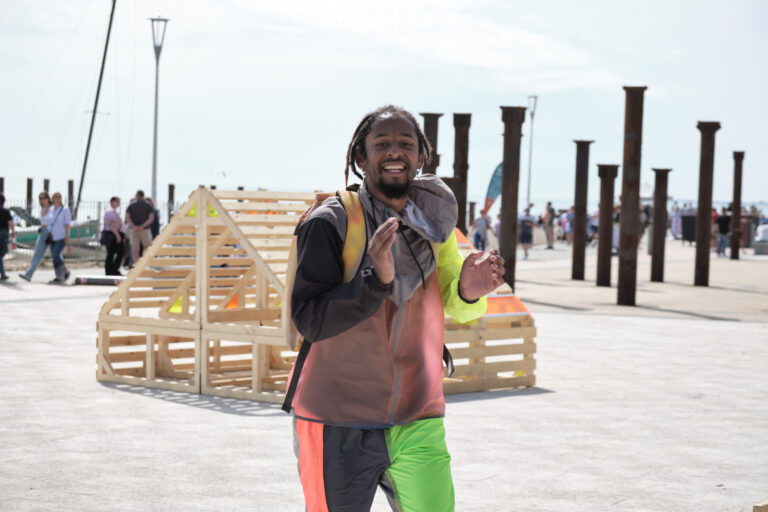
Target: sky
{"type": "Point", "coordinates": [267, 94]}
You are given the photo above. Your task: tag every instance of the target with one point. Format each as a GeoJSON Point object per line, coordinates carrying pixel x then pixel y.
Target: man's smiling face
{"type": "Point", "coordinates": [392, 156]}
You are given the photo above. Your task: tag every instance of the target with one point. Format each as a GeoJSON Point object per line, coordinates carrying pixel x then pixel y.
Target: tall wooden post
{"type": "Point", "coordinates": [659, 233]}
{"type": "Point", "coordinates": [704, 214]}
{"type": "Point", "coordinates": [738, 158]}
{"type": "Point", "coordinates": [513, 118]}
{"type": "Point", "coordinates": [461, 123]}
{"type": "Point", "coordinates": [2, 184]}
{"type": "Point", "coordinates": [580, 209]}
{"type": "Point", "coordinates": [430, 132]}
{"type": "Point", "coordinates": [71, 194]}
{"type": "Point", "coordinates": [47, 184]}
{"type": "Point", "coordinates": [171, 200]}
{"type": "Point", "coordinates": [630, 196]}
{"type": "Point", "coordinates": [472, 205]}
{"type": "Point", "coordinates": [607, 175]}
{"type": "Point", "coordinates": [29, 195]}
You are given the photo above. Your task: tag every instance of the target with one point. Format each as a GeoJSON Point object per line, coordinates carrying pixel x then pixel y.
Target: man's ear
{"type": "Point", "coordinates": [359, 158]}
{"type": "Point", "coordinates": [421, 161]}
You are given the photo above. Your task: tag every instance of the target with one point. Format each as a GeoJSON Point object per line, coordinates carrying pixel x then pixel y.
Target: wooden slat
{"type": "Point", "coordinates": [134, 324]}
{"type": "Point", "coordinates": [252, 195]}
{"type": "Point", "coordinates": [494, 350]}
{"type": "Point", "coordinates": [243, 315]}
{"type": "Point", "coordinates": [271, 243]}
{"type": "Point", "coordinates": [260, 206]}
{"type": "Point", "coordinates": [140, 304]}
{"type": "Point", "coordinates": [265, 219]}
{"type": "Point", "coordinates": [170, 261]}
{"type": "Point", "coordinates": [138, 294]}
{"type": "Point", "coordinates": [264, 232]}
{"type": "Point", "coordinates": [156, 283]}
{"type": "Point", "coordinates": [491, 369]}
{"type": "Point", "coordinates": [455, 336]}
{"type": "Point", "coordinates": [456, 386]}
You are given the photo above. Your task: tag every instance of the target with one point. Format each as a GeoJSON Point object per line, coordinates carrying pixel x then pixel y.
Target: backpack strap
{"type": "Point", "coordinates": [355, 245]}
{"type": "Point", "coordinates": [355, 241]}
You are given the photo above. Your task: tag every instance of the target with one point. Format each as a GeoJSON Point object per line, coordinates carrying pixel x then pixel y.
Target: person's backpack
{"type": "Point", "coordinates": [355, 245]}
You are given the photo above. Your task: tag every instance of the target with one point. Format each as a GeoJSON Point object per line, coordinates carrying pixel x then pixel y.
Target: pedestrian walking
{"type": "Point", "coordinates": [369, 405]}
{"type": "Point", "coordinates": [112, 238]}
{"type": "Point", "coordinates": [525, 226]}
{"type": "Point", "coordinates": [7, 233]}
{"type": "Point", "coordinates": [482, 224]}
{"type": "Point", "coordinates": [61, 219]}
{"type": "Point", "coordinates": [723, 222]}
{"type": "Point", "coordinates": [42, 236]}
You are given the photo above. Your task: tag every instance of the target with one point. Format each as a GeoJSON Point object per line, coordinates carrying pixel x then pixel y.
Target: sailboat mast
{"type": "Point", "coordinates": [95, 108]}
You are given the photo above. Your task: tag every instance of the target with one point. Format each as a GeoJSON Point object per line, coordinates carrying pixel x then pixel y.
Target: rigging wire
{"type": "Point", "coordinates": [76, 98]}
{"type": "Point", "coordinates": [28, 118]}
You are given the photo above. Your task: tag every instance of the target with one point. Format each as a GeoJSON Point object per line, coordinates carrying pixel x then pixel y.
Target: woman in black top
{"type": "Point", "coordinates": [6, 226]}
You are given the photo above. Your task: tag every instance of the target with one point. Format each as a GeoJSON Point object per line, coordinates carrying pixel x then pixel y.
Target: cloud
{"type": "Point", "coordinates": [482, 38]}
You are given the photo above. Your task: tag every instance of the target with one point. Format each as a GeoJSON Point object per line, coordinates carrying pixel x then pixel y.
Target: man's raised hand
{"type": "Point", "coordinates": [481, 276]}
{"type": "Point", "coordinates": [379, 249]}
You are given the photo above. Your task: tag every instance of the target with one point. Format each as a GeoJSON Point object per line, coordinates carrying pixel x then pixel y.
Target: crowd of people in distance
{"type": "Point", "coordinates": [124, 237]}
{"type": "Point", "coordinates": [557, 225]}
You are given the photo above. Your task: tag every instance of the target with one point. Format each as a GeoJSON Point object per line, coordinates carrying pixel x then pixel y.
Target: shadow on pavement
{"type": "Point", "coordinates": [689, 313]}
{"type": "Point", "coordinates": [501, 393]}
{"type": "Point", "coordinates": [213, 403]}
{"type": "Point", "coordinates": [553, 305]}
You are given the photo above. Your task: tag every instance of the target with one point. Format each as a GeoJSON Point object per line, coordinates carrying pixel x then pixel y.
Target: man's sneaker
{"type": "Point", "coordinates": [24, 277]}
{"type": "Point", "coordinates": [57, 280]}
{"type": "Point", "coordinates": [66, 275]}
{"type": "Point", "coordinates": [3, 278]}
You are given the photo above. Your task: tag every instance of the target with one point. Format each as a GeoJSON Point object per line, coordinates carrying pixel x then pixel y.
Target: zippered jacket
{"type": "Point", "coordinates": [376, 357]}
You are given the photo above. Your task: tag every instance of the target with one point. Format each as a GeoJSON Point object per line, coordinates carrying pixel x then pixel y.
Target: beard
{"type": "Point", "coordinates": [394, 190]}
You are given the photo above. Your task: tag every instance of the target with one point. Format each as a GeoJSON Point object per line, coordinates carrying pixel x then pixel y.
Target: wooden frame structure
{"type": "Point", "coordinates": [202, 309]}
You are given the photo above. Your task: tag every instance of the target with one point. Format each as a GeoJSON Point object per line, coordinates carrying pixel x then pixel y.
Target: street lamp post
{"type": "Point", "coordinates": [532, 108]}
{"type": "Point", "coordinates": [158, 36]}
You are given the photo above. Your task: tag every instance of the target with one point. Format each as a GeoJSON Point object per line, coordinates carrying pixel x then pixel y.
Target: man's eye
{"type": "Point", "coordinates": [381, 145]}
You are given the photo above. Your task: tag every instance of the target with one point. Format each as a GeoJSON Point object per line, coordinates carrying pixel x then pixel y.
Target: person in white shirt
{"type": "Point", "coordinates": [60, 220]}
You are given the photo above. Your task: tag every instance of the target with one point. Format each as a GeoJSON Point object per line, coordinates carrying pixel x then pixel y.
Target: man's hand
{"type": "Point", "coordinates": [137, 228]}
{"type": "Point", "coordinates": [480, 276]}
{"type": "Point", "coordinates": [379, 249]}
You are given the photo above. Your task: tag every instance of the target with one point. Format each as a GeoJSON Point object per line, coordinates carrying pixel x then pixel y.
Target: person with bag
{"type": "Point", "coordinates": [58, 237]}
{"type": "Point", "coordinates": [112, 234]}
{"type": "Point", "coordinates": [40, 244]}
{"type": "Point", "coordinates": [366, 390]}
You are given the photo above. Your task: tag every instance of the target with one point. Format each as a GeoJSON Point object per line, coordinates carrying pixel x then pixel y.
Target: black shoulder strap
{"type": "Point", "coordinates": [303, 351]}
{"type": "Point", "coordinates": [448, 360]}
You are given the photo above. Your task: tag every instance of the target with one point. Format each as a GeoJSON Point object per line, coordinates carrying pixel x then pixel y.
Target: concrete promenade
{"type": "Point", "coordinates": [660, 407]}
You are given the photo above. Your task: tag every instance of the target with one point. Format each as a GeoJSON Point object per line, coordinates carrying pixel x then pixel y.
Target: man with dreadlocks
{"type": "Point", "coordinates": [369, 405]}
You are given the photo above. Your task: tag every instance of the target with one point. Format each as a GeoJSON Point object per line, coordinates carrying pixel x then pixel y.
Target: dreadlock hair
{"type": "Point", "coordinates": [364, 128]}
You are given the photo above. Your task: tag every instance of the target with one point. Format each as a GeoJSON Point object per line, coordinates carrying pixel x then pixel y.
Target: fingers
{"type": "Point", "coordinates": [383, 237]}
{"type": "Point", "coordinates": [473, 257]}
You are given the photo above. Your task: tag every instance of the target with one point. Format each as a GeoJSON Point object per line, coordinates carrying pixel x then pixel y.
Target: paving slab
{"type": "Point", "coordinates": [634, 409]}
